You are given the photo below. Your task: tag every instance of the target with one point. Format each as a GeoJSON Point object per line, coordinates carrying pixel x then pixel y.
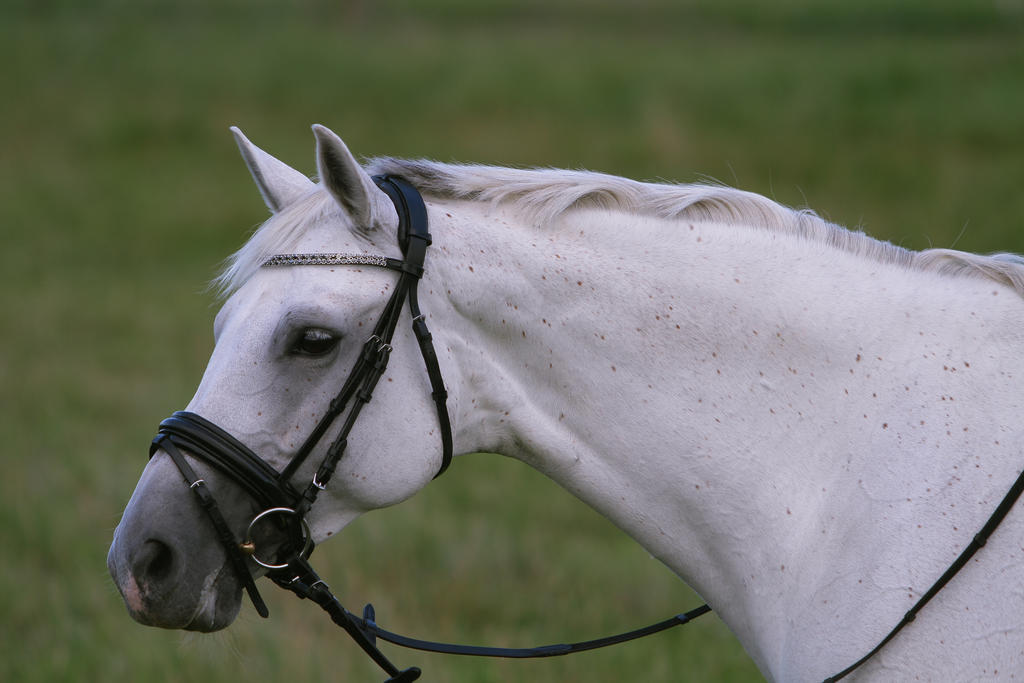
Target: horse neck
{"type": "Point", "coordinates": [726, 408]}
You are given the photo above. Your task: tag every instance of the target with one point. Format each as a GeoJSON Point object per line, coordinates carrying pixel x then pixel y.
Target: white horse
{"type": "Point", "coordinates": [807, 425]}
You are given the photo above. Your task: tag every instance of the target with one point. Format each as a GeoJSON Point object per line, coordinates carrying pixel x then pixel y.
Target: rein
{"type": "Point", "coordinates": [285, 505]}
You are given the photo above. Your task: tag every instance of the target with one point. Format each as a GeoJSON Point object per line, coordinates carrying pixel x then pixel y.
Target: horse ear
{"type": "Point", "coordinates": [279, 183]}
{"type": "Point", "coordinates": [344, 178]}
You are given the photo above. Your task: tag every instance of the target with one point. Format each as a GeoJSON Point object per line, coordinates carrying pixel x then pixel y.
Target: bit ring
{"type": "Point", "coordinates": [248, 546]}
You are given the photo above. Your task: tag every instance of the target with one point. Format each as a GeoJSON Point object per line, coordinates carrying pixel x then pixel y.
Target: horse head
{"type": "Point", "coordinates": [285, 340]}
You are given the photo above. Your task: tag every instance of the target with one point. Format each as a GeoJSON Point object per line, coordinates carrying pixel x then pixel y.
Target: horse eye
{"type": "Point", "coordinates": [314, 342]}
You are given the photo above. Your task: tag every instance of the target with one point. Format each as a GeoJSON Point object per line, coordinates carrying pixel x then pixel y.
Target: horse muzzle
{"type": "Point", "coordinates": [165, 561]}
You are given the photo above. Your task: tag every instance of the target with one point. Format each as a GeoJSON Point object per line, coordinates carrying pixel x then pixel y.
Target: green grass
{"type": "Point", "coordinates": [121, 190]}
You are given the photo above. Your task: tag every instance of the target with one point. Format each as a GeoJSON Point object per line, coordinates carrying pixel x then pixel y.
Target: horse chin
{"type": "Point", "coordinates": [219, 604]}
{"type": "Point", "coordinates": [215, 610]}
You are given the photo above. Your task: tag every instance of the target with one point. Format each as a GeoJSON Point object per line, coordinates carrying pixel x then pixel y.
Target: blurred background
{"type": "Point", "coordinates": [121, 191]}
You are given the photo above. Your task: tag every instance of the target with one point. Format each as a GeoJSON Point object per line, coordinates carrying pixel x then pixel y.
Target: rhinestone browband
{"type": "Point", "coordinates": [326, 260]}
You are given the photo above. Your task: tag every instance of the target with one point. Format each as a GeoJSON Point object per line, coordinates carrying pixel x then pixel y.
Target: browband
{"type": "Point", "coordinates": [321, 259]}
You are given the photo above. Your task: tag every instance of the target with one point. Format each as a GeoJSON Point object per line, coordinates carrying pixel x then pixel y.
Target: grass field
{"type": "Point", "coordinates": [121, 190]}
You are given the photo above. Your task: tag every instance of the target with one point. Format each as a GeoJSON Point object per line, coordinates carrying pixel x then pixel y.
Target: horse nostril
{"type": "Point", "coordinates": [154, 561]}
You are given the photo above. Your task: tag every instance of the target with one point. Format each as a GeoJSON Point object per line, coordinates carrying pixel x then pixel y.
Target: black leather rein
{"type": "Point", "coordinates": [286, 506]}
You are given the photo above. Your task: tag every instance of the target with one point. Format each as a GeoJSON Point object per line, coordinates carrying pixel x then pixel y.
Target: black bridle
{"type": "Point", "coordinates": [286, 506]}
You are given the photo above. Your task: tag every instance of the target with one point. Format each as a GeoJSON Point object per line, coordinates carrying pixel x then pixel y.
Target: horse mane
{"type": "Point", "coordinates": [543, 195]}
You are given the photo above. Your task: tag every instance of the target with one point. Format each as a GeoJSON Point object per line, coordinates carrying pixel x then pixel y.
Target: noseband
{"type": "Point", "coordinates": [286, 505]}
